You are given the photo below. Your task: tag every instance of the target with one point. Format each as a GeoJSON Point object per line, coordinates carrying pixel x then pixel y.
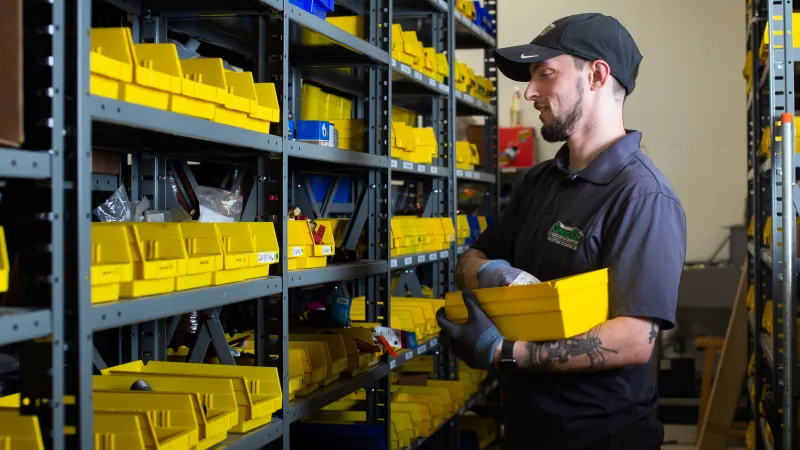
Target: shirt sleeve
{"type": "Point", "coordinates": [645, 253]}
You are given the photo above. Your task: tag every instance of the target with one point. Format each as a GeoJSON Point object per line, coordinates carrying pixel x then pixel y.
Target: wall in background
{"type": "Point", "coordinates": [689, 100]}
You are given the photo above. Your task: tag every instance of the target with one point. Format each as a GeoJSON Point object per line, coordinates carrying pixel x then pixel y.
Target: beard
{"type": "Point", "coordinates": [560, 128]}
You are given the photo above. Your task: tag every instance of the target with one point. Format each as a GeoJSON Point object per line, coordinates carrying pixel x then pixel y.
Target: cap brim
{"type": "Point", "coordinates": [514, 62]}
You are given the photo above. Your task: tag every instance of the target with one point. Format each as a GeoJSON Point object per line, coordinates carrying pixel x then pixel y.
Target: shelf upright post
{"type": "Point", "coordinates": [282, 181]}
{"type": "Point", "coordinates": [491, 122]}
{"type": "Point", "coordinates": [755, 264]}
{"type": "Point", "coordinates": [77, 245]}
{"type": "Point", "coordinates": [449, 364]}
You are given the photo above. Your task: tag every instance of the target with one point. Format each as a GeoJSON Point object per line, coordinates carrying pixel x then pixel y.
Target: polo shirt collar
{"type": "Point", "coordinates": [608, 163]}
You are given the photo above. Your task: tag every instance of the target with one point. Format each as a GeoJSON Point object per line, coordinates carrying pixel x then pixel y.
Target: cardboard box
{"type": "Point", "coordinates": [11, 108]}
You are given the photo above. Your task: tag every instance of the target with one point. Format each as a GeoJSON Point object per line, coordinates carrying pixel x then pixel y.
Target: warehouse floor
{"type": "Point", "coordinates": [685, 437]}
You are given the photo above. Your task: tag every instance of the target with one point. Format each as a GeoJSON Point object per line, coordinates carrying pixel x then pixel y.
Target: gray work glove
{"type": "Point", "coordinates": [474, 341]}
{"type": "Point", "coordinates": [498, 272]}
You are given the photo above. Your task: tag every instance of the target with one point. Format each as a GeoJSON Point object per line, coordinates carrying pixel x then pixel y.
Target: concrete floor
{"type": "Point", "coordinates": [685, 436]}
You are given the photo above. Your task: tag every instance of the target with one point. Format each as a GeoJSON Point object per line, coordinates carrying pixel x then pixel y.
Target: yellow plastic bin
{"type": "Point", "coordinates": [238, 251]}
{"type": "Point", "coordinates": [19, 432]}
{"type": "Point", "coordinates": [204, 255]}
{"type": "Point", "coordinates": [556, 309]}
{"type": "Point", "coordinates": [112, 263]}
{"type": "Point", "coordinates": [110, 61]}
{"type": "Point", "coordinates": [159, 256]}
{"type": "Point", "coordinates": [314, 370]}
{"type": "Point", "coordinates": [320, 357]}
{"type": "Point", "coordinates": [265, 244]}
{"type": "Point", "coordinates": [268, 110]}
{"type": "Point", "coordinates": [258, 389]}
{"type": "Point", "coordinates": [232, 108]}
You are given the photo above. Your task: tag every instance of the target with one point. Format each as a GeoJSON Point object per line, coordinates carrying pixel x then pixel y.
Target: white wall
{"type": "Point", "coordinates": [689, 100]}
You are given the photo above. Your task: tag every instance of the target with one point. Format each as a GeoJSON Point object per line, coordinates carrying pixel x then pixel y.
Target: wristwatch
{"type": "Point", "coordinates": [507, 364]}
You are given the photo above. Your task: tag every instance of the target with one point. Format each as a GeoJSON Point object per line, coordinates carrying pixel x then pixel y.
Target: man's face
{"type": "Point", "coordinates": [556, 90]}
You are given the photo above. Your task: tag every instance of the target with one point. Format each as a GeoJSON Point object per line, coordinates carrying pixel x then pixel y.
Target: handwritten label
{"type": "Point", "coordinates": [327, 250]}
{"type": "Point", "coordinates": [408, 260]}
{"type": "Point", "coordinates": [459, 173]}
{"type": "Point", "coordinates": [434, 169]}
{"type": "Point", "coordinates": [445, 253]}
{"type": "Point", "coordinates": [422, 349]}
{"type": "Point", "coordinates": [420, 259]}
{"type": "Point", "coordinates": [393, 263]}
{"type": "Point", "coordinates": [418, 76]}
{"type": "Point", "coordinates": [434, 342]}
{"type": "Point", "coordinates": [405, 69]}
{"type": "Point", "coordinates": [433, 257]}
{"type": "Point", "coordinates": [394, 164]}
{"type": "Point", "coordinates": [408, 166]}
{"type": "Point", "coordinates": [267, 257]}
{"type": "Point", "coordinates": [297, 251]}
{"type": "Point", "coordinates": [443, 87]}
{"type": "Point", "coordinates": [421, 168]}
{"type": "Point", "coordinates": [432, 82]}
{"type": "Point", "coordinates": [408, 355]}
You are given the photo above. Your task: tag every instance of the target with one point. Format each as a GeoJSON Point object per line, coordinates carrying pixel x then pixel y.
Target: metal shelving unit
{"type": "Point", "coordinates": [772, 196]}
{"type": "Point", "coordinates": [52, 190]}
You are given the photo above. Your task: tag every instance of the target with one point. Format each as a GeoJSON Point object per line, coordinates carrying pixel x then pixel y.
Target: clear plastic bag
{"type": "Point", "coordinates": [116, 208]}
{"type": "Point", "coordinates": [218, 205]}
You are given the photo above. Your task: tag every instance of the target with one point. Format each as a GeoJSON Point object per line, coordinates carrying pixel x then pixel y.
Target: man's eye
{"type": "Point", "coordinates": [546, 75]}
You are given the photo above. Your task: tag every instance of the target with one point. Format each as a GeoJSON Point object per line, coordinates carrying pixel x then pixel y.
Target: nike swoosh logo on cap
{"type": "Point", "coordinates": [524, 56]}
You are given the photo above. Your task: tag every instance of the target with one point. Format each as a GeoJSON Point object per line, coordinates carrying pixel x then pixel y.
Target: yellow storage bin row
{"type": "Point", "coordinates": [320, 105]}
{"type": "Point", "coordinates": [403, 115]}
{"type": "Point", "coordinates": [350, 24]}
{"type": "Point", "coordinates": [463, 229]}
{"type": "Point", "coordinates": [467, 157]}
{"type": "Point", "coordinates": [138, 259]}
{"type": "Point", "coordinates": [475, 85]}
{"type": "Point", "coordinates": [763, 51]}
{"type": "Point", "coordinates": [766, 140]}
{"type": "Point", "coordinates": [416, 235]}
{"type": "Point", "coordinates": [173, 406]}
{"type": "Point", "coordinates": [467, 8]}
{"type": "Point", "coordinates": [152, 75]}
{"type": "Point", "coordinates": [408, 49]}
{"type": "Point", "coordinates": [408, 314]}
{"type": "Point", "coordinates": [414, 144]}
{"type": "Point", "coordinates": [310, 244]}
{"type": "Point", "coordinates": [555, 309]}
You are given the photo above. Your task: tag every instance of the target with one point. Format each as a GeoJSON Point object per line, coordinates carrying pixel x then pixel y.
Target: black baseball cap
{"type": "Point", "coordinates": [590, 36]}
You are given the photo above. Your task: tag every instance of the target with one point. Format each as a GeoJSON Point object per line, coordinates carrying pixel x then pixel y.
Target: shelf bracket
{"type": "Point", "coordinates": [210, 332]}
{"type": "Point", "coordinates": [408, 283]}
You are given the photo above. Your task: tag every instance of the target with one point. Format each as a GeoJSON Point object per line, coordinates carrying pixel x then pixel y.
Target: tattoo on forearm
{"type": "Point", "coordinates": [653, 330]}
{"type": "Point", "coordinates": [548, 355]}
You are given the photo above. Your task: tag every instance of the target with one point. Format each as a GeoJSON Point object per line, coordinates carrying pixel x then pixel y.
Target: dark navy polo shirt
{"type": "Point", "coordinates": [620, 213]}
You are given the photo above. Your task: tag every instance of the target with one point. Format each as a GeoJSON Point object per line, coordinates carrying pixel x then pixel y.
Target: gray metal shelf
{"type": "Point", "coordinates": [335, 272]}
{"type": "Point", "coordinates": [336, 34]}
{"type": "Point", "coordinates": [399, 165]}
{"type": "Point", "coordinates": [424, 83]}
{"type": "Point", "coordinates": [254, 439]}
{"type": "Point", "coordinates": [140, 117]}
{"type": "Point", "coordinates": [401, 262]}
{"type": "Point", "coordinates": [431, 345]}
{"type": "Point", "coordinates": [29, 164]}
{"type": "Point", "coordinates": [23, 324]}
{"type": "Point", "coordinates": [470, 35]}
{"type": "Point", "coordinates": [329, 154]}
{"type": "Point", "coordinates": [475, 175]}
{"type": "Point", "coordinates": [126, 312]}
{"type": "Point", "coordinates": [471, 106]}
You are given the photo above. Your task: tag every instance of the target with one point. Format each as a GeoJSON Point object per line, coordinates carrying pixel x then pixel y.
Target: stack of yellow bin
{"type": "Point", "coordinates": [304, 252]}
{"type": "Point", "coordinates": [467, 157]}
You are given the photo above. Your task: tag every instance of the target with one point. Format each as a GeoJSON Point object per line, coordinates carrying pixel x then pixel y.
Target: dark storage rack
{"type": "Point", "coordinates": [772, 196]}
{"type": "Point", "coordinates": [64, 339]}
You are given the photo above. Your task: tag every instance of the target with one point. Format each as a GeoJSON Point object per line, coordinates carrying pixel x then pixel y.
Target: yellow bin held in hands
{"type": "Point", "coordinates": [555, 309]}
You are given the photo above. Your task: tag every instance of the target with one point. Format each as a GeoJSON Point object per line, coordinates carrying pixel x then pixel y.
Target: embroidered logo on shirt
{"type": "Point", "coordinates": [564, 235]}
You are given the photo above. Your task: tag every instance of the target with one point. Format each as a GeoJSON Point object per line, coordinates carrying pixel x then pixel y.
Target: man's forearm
{"type": "Point", "coordinates": [467, 268]}
{"type": "Point", "coordinates": [619, 342]}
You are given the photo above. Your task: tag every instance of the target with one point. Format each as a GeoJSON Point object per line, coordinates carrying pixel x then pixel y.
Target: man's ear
{"type": "Point", "coordinates": [599, 74]}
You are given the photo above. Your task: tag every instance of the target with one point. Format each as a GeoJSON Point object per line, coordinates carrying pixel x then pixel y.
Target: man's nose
{"type": "Point", "coordinates": [531, 92]}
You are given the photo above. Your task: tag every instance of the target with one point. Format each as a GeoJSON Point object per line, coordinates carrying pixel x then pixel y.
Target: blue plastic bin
{"type": "Point", "coordinates": [314, 131]}
{"type": "Point", "coordinates": [319, 8]}
{"type": "Point", "coordinates": [474, 229]}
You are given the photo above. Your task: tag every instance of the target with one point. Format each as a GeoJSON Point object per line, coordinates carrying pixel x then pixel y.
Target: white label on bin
{"type": "Point", "coordinates": [434, 342]}
{"type": "Point", "coordinates": [408, 355]}
{"type": "Point", "coordinates": [394, 164]}
{"type": "Point", "coordinates": [267, 257]}
{"type": "Point", "coordinates": [468, 174]}
{"type": "Point", "coordinates": [433, 257]}
{"type": "Point", "coordinates": [476, 175]}
{"type": "Point", "coordinates": [394, 62]}
{"type": "Point", "coordinates": [393, 263]}
{"type": "Point", "coordinates": [405, 69]}
{"type": "Point", "coordinates": [297, 251]}
{"type": "Point", "coordinates": [418, 76]}
{"type": "Point", "coordinates": [434, 169]}
{"type": "Point", "coordinates": [392, 364]}
{"type": "Point", "coordinates": [469, 99]}
{"type": "Point", "coordinates": [444, 253]}
{"type": "Point", "coordinates": [408, 260]}
{"type": "Point", "coordinates": [443, 87]}
{"type": "Point", "coordinates": [459, 94]}
{"type": "Point", "coordinates": [432, 82]}
{"type": "Point", "coordinates": [421, 168]}
{"type": "Point", "coordinates": [327, 250]}
{"type": "Point", "coordinates": [422, 349]}
{"type": "Point", "coordinates": [408, 165]}
{"type": "Point", "coordinates": [420, 259]}
{"type": "Point", "coordinates": [442, 4]}
{"type": "Point", "coordinates": [459, 173]}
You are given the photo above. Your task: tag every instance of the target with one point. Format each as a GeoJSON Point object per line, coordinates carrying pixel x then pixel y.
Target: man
{"type": "Point", "coordinates": [600, 203]}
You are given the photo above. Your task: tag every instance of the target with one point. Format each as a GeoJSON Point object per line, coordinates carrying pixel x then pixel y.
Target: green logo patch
{"type": "Point", "coordinates": [564, 235]}
{"type": "Point", "coordinates": [547, 28]}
